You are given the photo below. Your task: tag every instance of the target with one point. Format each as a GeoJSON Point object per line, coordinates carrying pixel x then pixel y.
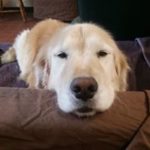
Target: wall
{"type": "Point", "coordinates": [14, 3]}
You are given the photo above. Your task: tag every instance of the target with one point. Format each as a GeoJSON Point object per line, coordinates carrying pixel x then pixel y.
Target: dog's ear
{"type": "Point", "coordinates": [122, 68]}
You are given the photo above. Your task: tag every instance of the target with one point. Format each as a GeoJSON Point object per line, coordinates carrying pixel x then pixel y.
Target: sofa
{"type": "Point", "coordinates": [64, 10]}
{"type": "Point", "coordinates": [31, 120]}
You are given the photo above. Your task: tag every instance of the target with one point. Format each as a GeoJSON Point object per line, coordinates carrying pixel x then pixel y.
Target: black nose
{"type": "Point", "coordinates": [84, 88]}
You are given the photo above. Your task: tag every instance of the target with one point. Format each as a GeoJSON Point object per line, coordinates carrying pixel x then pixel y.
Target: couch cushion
{"type": "Point", "coordinates": [30, 119]}
{"type": "Point", "coordinates": [141, 139]}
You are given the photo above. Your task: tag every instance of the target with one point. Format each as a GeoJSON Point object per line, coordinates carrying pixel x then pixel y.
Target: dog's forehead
{"type": "Point", "coordinates": [86, 36]}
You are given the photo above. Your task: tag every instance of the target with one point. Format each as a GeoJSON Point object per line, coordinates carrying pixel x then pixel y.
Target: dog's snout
{"type": "Point", "coordinates": [84, 88]}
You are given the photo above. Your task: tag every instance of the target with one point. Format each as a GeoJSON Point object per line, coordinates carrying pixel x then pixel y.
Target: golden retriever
{"type": "Point", "coordinates": [81, 62]}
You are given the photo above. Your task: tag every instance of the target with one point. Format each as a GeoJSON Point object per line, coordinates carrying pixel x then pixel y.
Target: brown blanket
{"type": "Point", "coordinates": [30, 120]}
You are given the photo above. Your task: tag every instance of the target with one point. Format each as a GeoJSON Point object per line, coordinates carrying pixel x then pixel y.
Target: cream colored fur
{"type": "Point", "coordinates": [37, 52]}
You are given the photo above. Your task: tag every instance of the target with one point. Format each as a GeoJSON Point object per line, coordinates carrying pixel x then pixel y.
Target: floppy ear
{"type": "Point", "coordinates": [122, 68]}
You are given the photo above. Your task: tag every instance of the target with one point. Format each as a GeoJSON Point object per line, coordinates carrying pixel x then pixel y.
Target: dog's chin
{"type": "Point", "coordinates": [84, 112]}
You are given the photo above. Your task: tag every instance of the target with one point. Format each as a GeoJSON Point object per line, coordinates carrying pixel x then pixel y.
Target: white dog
{"type": "Point", "coordinates": [81, 62]}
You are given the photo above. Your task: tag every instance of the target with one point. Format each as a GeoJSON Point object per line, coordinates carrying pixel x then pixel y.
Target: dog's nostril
{"type": "Point", "coordinates": [92, 88]}
{"type": "Point", "coordinates": [76, 89]}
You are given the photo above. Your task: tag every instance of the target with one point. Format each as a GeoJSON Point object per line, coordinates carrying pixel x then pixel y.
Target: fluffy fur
{"type": "Point", "coordinates": [37, 52]}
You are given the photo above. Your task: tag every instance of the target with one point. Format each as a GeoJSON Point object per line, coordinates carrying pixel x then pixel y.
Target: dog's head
{"type": "Point", "coordinates": [86, 69]}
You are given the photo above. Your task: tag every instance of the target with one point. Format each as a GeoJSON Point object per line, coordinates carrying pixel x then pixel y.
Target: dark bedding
{"type": "Point", "coordinates": [9, 72]}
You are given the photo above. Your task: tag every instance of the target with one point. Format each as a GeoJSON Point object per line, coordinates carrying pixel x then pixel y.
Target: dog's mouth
{"type": "Point", "coordinates": [84, 112]}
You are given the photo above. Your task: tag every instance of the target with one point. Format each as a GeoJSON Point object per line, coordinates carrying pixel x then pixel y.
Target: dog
{"type": "Point", "coordinates": [81, 62]}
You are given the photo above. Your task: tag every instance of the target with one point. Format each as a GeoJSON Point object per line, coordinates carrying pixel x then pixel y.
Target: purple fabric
{"type": "Point", "coordinates": [9, 72]}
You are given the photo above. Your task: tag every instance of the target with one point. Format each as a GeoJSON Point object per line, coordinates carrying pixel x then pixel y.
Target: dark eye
{"type": "Point", "coordinates": [101, 53]}
{"type": "Point", "coordinates": [62, 55]}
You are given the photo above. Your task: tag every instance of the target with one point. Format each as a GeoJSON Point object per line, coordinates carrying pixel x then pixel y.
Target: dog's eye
{"type": "Point", "coordinates": [62, 55]}
{"type": "Point", "coordinates": [101, 53]}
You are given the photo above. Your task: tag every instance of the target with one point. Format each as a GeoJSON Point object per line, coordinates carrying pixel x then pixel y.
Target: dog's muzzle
{"type": "Point", "coordinates": [84, 89]}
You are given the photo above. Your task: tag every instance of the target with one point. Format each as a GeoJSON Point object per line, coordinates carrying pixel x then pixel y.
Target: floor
{"type": "Point", "coordinates": [11, 24]}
